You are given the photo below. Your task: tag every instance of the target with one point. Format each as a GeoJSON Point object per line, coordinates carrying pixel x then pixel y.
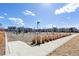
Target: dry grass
{"type": "Point", "coordinates": [31, 37]}
{"type": "Point", "coordinates": [71, 48]}
{"type": "Point", "coordinates": [37, 40]}
{"type": "Point", "coordinates": [2, 46]}
{"type": "Point", "coordinates": [27, 37]}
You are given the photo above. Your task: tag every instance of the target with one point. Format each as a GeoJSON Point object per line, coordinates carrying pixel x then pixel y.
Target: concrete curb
{"type": "Point", "coordinates": [7, 50]}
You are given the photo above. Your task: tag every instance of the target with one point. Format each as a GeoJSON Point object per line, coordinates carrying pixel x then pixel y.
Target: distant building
{"type": "Point", "coordinates": [54, 29]}
{"type": "Point", "coordinates": [12, 28]}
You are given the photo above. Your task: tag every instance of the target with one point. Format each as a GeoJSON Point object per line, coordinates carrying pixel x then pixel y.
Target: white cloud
{"type": "Point", "coordinates": [1, 17]}
{"type": "Point", "coordinates": [17, 21]}
{"type": "Point", "coordinates": [5, 13]}
{"type": "Point", "coordinates": [27, 12]}
{"type": "Point", "coordinates": [67, 8]}
{"type": "Point", "coordinates": [49, 26]}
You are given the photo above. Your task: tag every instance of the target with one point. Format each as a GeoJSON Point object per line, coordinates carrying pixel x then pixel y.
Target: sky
{"type": "Point", "coordinates": [49, 14]}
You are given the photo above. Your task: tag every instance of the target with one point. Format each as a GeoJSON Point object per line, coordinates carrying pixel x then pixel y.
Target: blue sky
{"type": "Point", "coordinates": [55, 14]}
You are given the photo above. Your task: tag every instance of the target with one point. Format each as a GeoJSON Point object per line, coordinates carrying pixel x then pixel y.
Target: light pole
{"type": "Point", "coordinates": [38, 22]}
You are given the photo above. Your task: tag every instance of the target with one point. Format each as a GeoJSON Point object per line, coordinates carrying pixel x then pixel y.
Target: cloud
{"type": "Point", "coordinates": [27, 12]}
{"type": "Point", "coordinates": [1, 17]}
{"type": "Point", "coordinates": [67, 8]}
{"type": "Point", "coordinates": [5, 13]}
{"type": "Point", "coordinates": [49, 26]}
{"type": "Point", "coordinates": [17, 21]}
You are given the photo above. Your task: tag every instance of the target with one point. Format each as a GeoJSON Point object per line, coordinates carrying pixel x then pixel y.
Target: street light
{"type": "Point", "coordinates": [38, 22]}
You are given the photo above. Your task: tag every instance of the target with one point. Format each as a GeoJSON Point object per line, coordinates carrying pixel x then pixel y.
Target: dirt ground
{"type": "Point", "coordinates": [71, 48]}
{"type": "Point", "coordinates": [26, 37]}
{"type": "Point", "coordinates": [2, 44]}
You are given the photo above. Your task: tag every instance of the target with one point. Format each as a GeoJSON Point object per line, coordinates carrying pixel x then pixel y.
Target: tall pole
{"type": "Point", "coordinates": [37, 26]}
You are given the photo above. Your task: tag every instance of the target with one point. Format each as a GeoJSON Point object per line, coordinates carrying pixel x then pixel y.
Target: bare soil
{"type": "Point", "coordinates": [2, 43]}
{"type": "Point", "coordinates": [71, 48]}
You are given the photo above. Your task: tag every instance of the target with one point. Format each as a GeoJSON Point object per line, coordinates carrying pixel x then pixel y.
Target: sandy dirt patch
{"type": "Point", "coordinates": [71, 48]}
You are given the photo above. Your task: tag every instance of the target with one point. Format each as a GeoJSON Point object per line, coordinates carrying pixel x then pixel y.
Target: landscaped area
{"type": "Point", "coordinates": [32, 39]}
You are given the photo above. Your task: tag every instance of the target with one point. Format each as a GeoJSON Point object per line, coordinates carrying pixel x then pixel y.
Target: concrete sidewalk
{"type": "Point", "coordinates": [18, 48]}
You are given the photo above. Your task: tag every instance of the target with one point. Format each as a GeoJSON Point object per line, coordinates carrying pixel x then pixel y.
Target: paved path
{"type": "Point", "coordinates": [20, 48]}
